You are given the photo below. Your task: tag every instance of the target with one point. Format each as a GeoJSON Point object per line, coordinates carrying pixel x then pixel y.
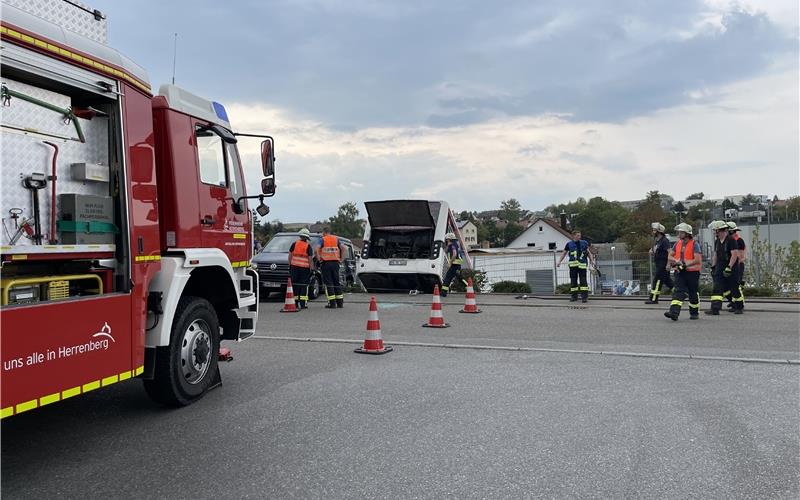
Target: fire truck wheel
{"type": "Point", "coordinates": [186, 369]}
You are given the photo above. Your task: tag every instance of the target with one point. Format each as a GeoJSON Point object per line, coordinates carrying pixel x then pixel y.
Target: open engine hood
{"type": "Point", "coordinates": [407, 214]}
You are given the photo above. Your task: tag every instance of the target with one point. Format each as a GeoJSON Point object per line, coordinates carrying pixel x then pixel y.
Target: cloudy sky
{"type": "Point", "coordinates": [475, 102]}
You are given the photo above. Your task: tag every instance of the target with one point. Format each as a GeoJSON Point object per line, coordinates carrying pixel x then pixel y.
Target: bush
{"type": "Point", "coordinates": [757, 291]}
{"type": "Point", "coordinates": [563, 289]}
{"type": "Point", "coordinates": [705, 290]}
{"type": "Point", "coordinates": [511, 287]}
{"type": "Point", "coordinates": [478, 281]}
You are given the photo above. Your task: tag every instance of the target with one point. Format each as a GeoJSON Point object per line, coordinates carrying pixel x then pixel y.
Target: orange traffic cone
{"type": "Point", "coordinates": [373, 343]}
{"type": "Point", "coordinates": [289, 305]}
{"type": "Point", "coordinates": [470, 306]}
{"type": "Point", "coordinates": [437, 319]}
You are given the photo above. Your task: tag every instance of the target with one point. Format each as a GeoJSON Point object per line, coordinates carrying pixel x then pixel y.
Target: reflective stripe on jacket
{"type": "Point", "coordinates": [299, 256]}
{"type": "Point", "coordinates": [577, 254]}
{"type": "Point", "coordinates": [686, 254]}
{"type": "Point", "coordinates": [330, 249]}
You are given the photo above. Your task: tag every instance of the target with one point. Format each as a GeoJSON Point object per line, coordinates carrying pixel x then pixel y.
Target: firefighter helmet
{"type": "Point", "coordinates": [304, 233]}
{"type": "Point", "coordinates": [732, 227]}
{"type": "Point", "coordinates": [658, 227]}
{"type": "Point", "coordinates": [684, 227]}
{"type": "Point", "coordinates": [716, 225]}
{"type": "Point", "coordinates": [450, 236]}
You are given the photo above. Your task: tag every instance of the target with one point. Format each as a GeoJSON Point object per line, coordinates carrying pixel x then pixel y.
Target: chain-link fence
{"type": "Point", "coordinates": [613, 273]}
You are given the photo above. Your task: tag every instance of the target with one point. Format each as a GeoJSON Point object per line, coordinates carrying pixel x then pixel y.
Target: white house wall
{"type": "Point", "coordinates": [540, 234]}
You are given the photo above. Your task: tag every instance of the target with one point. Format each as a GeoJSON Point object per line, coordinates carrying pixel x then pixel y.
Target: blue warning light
{"type": "Point", "coordinates": [219, 109]}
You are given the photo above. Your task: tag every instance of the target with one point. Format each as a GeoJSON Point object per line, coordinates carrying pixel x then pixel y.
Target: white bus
{"type": "Point", "coordinates": [404, 245]}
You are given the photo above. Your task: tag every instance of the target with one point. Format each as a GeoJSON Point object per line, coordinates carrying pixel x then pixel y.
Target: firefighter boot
{"type": "Point", "coordinates": [674, 310]}
{"type": "Point", "coordinates": [340, 303]}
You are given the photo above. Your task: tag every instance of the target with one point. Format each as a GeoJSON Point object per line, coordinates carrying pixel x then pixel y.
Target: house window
{"type": "Point", "coordinates": [541, 228]}
{"type": "Point", "coordinates": [531, 244]}
{"type": "Point", "coordinates": [551, 245]}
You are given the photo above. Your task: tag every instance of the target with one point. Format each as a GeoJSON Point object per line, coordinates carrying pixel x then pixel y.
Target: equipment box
{"type": "Point", "coordinates": [86, 219]}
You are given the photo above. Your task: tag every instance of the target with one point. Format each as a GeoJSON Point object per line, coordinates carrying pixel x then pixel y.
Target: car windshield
{"type": "Point", "coordinates": [280, 244]}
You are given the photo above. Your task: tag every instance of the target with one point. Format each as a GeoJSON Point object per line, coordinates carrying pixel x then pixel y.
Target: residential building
{"type": "Point", "coordinates": [469, 231]}
{"type": "Point", "coordinates": [542, 235]}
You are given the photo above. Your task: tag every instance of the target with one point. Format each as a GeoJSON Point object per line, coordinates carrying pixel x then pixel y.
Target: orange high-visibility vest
{"type": "Point", "coordinates": [299, 257]}
{"type": "Point", "coordinates": [330, 249]}
{"type": "Point", "coordinates": [687, 255]}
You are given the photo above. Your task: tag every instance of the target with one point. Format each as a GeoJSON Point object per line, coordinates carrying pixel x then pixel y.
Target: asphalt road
{"type": "Point", "coordinates": [314, 420]}
{"type": "Point", "coordinates": [765, 331]}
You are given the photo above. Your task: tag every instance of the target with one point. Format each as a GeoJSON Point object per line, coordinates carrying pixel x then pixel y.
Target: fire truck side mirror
{"type": "Point", "coordinates": [268, 186]}
{"type": "Point", "coordinates": [268, 158]}
{"type": "Point", "coordinates": [262, 209]}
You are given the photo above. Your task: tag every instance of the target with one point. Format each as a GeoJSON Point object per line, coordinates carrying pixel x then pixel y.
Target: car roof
{"type": "Point", "coordinates": [313, 235]}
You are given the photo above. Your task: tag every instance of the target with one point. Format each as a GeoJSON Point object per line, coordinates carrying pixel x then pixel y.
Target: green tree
{"type": "Point", "coordinates": [345, 223]}
{"type": "Point", "coordinates": [637, 232]}
{"type": "Point", "coordinates": [570, 208]}
{"type": "Point", "coordinates": [696, 196]}
{"type": "Point", "coordinates": [768, 265]}
{"type": "Point", "coordinates": [750, 199]}
{"type": "Point", "coordinates": [510, 210]}
{"type": "Point", "coordinates": [793, 263]}
{"type": "Point", "coordinates": [728, 204]}
{"type": "Point", "coordinates": [510, 233]}
{"type": "Point", "coordinates": [602, 221]}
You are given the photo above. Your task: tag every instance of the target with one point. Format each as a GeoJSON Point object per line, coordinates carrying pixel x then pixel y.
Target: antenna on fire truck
{"type": "Point", "coordinates": [174, 56]}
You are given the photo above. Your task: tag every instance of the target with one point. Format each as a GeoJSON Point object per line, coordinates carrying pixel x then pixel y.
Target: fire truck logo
{"type": "Point", "coordinates": [273, 266]}
{"type": "Point", "coordinates": [105, 332]}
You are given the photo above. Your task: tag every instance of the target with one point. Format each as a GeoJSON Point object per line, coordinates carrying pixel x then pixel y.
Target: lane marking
{"type": "Point", "coordinates": [542, 349]}
{"type": "Point", "coordinates": [557, 306]}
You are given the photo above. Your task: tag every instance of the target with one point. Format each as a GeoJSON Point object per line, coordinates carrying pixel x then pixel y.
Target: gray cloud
{"type": "Point", "coordinates": [353, 64]}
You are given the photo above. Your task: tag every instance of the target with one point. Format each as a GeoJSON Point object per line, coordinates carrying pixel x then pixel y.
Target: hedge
{"type": "Point", "coordinates": [511, 287]}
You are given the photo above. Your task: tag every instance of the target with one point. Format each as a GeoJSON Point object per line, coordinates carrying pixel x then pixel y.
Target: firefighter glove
{"type": "Point", "coordinates": [727, 272]}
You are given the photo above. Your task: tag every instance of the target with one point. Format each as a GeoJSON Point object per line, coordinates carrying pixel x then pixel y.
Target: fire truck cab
{"type": "Point", "coordinates": [127, 235]}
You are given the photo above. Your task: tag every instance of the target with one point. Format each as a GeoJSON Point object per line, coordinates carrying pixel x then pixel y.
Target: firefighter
{"type": "Point", "coordinates": [686, 258]}
{"type": "Point", "coordinates": [455, 256]}
{"type": "Point", "coordinates": [660, 252]}
{"type": "Point", "coordinates": [734, 230]}
{"type": "Point", "coordinates": [725, 269]}
{"type": "Point", "coordinates": [330, 254]}
{"type": "Point", "coordinates": [579, 257]}
{"type": "Point", "coordinates": [301, 255]}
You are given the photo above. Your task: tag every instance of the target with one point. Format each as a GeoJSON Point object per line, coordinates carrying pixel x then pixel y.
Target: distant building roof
{"type": "Point", "coordinates": [462, 223]}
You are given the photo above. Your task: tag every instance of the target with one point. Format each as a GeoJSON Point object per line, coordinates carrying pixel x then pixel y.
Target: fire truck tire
{"type": "Point", "coordinates": [186, 369]}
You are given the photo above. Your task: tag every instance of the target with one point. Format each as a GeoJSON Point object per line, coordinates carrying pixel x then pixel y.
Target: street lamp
{"type": "Point", "coordinates": [613, 266]}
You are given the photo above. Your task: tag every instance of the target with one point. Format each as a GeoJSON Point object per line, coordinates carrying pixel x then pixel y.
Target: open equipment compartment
{"type": "Point", "coordinates": [49, 106]}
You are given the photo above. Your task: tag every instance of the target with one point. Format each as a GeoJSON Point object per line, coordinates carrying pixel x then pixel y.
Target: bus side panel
{"type": "Point", "coordinates": [56, 350]}
{"type": "Point", "coordinates": [144, 210]}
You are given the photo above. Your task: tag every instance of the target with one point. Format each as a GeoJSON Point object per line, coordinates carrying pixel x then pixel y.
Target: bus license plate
{"type": "Point", "coordinates": [398, 262]}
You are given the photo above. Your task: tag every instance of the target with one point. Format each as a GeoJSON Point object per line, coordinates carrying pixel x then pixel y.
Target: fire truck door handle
{"type": "Point", "coordinates": [207, 221]}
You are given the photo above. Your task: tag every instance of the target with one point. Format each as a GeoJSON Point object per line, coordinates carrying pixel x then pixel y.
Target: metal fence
{"type": "Point", "coordinates": [630, 274]}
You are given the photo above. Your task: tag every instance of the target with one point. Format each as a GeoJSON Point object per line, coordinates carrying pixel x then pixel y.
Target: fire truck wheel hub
{"type": "Point", "coordinates": [196, 351]}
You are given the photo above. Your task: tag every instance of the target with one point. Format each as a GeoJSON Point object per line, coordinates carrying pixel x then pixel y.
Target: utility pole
{"type": "Point", "coordinates": [769, 232]}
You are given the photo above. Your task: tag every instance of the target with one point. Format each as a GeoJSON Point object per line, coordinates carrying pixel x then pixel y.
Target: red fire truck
{"type": "Point", "coordinates": [126, 240]}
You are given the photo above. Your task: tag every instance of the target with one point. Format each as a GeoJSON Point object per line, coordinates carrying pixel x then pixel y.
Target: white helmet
{"type": "Point", "coordinates": [686, 228]}
{"type": "Point", "coordinates": [304, 233]}
{"type": "Point", "coordinates": [658, 227]}
{"type": "Point", "coordinates": [450, 236]}
{"type": "Point", "coordinates": [732, 227]}
{"type": "Point", "coordinates": [717, 225]}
